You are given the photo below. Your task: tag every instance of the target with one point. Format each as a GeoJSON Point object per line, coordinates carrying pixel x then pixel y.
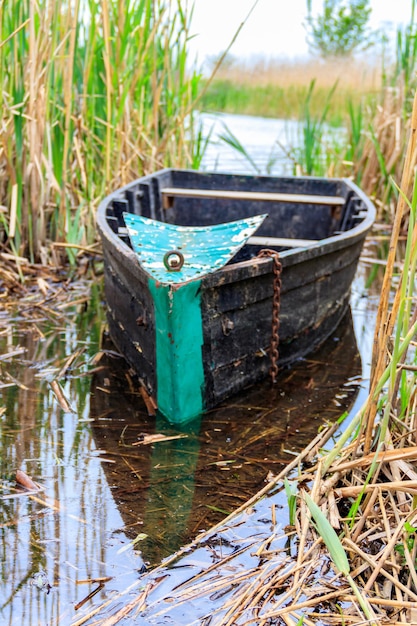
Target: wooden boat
{"type": "Point", "coordinates": [198, 329]}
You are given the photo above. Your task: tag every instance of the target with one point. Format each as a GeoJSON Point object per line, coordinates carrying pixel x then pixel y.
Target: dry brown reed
{"type": "Point", "coordinates": [382, 156]}
{"type": "Point", "coordinates": [373, 479]}
{"type": "Point", "coordinates": [379, 468]}
{"type": "Point", "coordinates": [351, 74]}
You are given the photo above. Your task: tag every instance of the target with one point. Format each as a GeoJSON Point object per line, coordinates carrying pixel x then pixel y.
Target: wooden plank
{"type": "Point", "coordinates": [168, 193]}
{"type": "Point", "coordinates": [280, 242]}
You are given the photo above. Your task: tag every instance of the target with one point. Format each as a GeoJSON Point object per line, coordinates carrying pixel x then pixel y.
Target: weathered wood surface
{"type": "Point", "coordinates": [169, 193]}
{"type": "Point", "coordinates": [131, 318]}
{"type": "Point", "coordinates": [236, 301]}
{"type": "Point", "coordinates": [280, 242]}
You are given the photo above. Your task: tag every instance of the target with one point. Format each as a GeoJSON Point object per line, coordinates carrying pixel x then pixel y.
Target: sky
{"type": "Point", "coordinates": [274, 28]}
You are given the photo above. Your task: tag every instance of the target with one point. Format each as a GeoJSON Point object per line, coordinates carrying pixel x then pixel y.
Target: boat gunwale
{"type": "Point", "coordinates": [238, 270]}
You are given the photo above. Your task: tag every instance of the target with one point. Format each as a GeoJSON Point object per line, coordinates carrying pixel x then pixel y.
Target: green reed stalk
{"type": "Point", "coordinates": [393, 381]}
{"type": "Point", "coordinates": [406, 52]}
{"type": "Point", "coordinates": [405, 327]}
{"type": "Point", "coordinates": [311, 154]}
{"type": "Point", "coordinates": [94, 94]}
{"type": "Point", "coordinates": [355, 126]}
{"type": "Point", "coordinates": [338, 555]}
{"type": "Point", "coordinates": [230, 139]}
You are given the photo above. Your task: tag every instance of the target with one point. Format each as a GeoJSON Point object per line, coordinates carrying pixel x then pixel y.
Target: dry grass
{"type": "Point", "coordinates": [364, 77]}
{"type": "Point", "coordinates": [383, 152]}
{"type": "Point", "coordinates": [287, 585]}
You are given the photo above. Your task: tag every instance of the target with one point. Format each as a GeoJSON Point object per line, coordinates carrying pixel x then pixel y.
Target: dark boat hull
{"type": "Point", "coordinates": [236, 301]}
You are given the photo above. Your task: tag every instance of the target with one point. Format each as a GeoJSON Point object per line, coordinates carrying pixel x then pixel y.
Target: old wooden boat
{"type": "Point", "coordinates": [192, 298]}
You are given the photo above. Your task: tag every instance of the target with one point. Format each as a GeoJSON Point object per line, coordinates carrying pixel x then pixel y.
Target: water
{"type": "Point", "coordinates": [268, 143]}
{"type": "Point", "coordinates": [110, 503]}
{"type": "Point", "coordinates": [244, 144]}
{"type": "Point", "coordinates": [71, 530]}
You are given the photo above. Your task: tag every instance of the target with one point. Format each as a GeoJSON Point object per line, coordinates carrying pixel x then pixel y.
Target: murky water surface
{"type": "Point", "coordinates": [73, 420]}
{"type": "Point", "coordinates": [255, 145]}
{"type": "Point", "coordinates": [115, 491]}
{"type": "Point", "coordinates": [265, 144]}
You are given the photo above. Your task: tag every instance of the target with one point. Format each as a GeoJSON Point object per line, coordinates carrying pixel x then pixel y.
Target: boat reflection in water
{"type": "Point", "coordinates": [199, 472]}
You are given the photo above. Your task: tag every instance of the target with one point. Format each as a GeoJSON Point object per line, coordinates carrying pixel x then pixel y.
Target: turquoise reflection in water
{"type": "Point", "coordinates": [172, 485]}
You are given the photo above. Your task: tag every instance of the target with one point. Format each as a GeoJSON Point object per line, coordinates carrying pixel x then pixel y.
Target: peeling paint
{"type": "Point", "coordinates": [205, 248]}
{"type": "Point", "coordinates": [177, 299]}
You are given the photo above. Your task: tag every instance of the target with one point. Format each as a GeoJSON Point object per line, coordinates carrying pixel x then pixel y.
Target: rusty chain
{"type": "Point", "coordinates": [273, 350]}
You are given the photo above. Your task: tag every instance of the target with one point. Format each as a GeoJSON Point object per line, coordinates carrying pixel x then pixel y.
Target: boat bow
{"type": "Point", "coordinates": [174, 255]}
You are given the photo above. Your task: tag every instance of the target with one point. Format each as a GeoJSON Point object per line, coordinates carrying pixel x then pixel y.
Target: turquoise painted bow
{"type": "Point", "coordinates": [173, 254]}
{"type": "Point", "coordinates": [175, 259]}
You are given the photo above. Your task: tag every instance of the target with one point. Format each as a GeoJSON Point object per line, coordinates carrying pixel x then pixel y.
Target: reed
{"type": "Point", "coordinates": [94, 93]}
{"type": "Point", "coordinates": [279, 87]}
{"type": "Point", "coordinates": [338, 555]}
{"type": "Point", "coordinates": [380, 442]}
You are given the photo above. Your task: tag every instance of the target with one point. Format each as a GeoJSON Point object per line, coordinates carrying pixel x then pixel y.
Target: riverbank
{"type": "Point", "coordinates": [278, 88]}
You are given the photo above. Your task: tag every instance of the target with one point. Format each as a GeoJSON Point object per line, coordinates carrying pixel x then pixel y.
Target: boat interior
{"type": "Point", "coordinates": [301, 211]}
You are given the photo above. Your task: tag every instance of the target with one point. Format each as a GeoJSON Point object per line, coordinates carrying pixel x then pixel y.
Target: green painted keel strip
{"type": "Point", "coordinates": [179, 341]}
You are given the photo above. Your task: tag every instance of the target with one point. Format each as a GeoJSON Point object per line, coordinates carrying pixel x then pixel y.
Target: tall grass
{"type": "Point", "coordinates": [94, 93]}
{"type": "Point", "coordinates": [279, 87]}
{"type": "Point", "coordinates": [388, 125]}
{"type": "Point", "coordinates": [389, 415]}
